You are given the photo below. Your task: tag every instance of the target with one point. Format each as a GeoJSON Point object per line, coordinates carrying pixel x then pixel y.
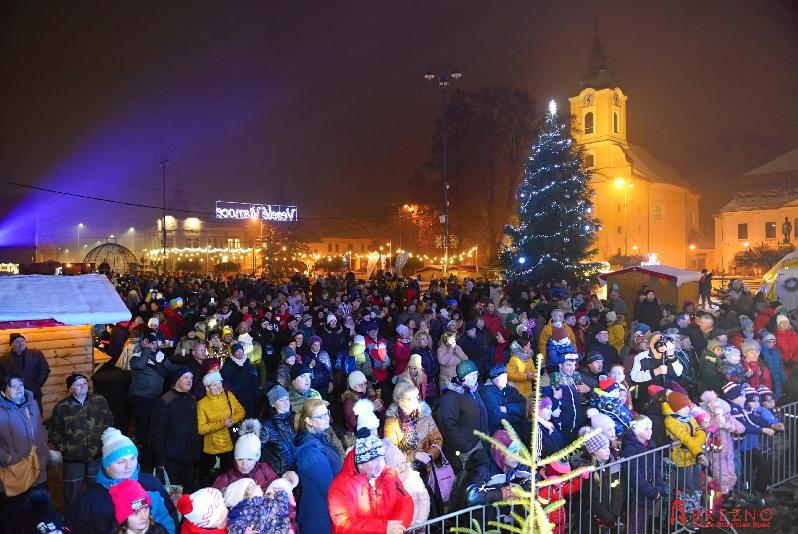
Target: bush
{"type": "Point", "coordinates": [759, 258]}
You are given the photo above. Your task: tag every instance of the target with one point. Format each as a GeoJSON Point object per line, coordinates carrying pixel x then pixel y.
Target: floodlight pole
{"type": "Point", "coordinates": [164, 163]}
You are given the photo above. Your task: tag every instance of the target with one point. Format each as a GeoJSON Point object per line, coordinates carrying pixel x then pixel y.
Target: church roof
{"type": "Point", "coordinates": [787, 162]}
{"type": "Point", "coordinates": [598, 75]}
{"type": "Point", "coordinates": [650, 167]}
{"type": "Point", "coordinates": [762, 198]}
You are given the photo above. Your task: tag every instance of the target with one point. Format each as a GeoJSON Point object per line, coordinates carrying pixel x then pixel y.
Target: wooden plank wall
{"type": "Point", "coordinates": [68, 349]}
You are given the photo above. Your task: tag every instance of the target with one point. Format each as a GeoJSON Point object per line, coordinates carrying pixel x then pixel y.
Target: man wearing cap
{"type": "Point", "coordinates": [711, 375]}
{"type": "Point", "coordinates": [601, 343]}
{"type": "Point", "coordinates": [148, 368]}
{"type": "Point", "coordinates": [475, 347]}
{"type": "Point", "coordinates": [174, 436]}
{"type": "Point", "coordinates": [503, 401]}
{"type": "Point", "coordinates": [242, 376]}
{"type": "Point", "coordinates": [593, 371]}
{"type": "Point", "coordinates": [30, 364]}
{"type": "Point", "coordinates": [75, 429]}
{"type": "Point", "coordinates": [461, 412]}
{"type": "Point", "coordinates": [389, 507]}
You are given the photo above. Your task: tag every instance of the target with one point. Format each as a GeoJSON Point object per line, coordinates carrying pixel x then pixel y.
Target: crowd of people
{"type": "Point", "coordinates": [340, 405]}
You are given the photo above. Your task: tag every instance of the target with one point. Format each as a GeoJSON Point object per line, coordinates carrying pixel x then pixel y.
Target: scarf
{"type": "Point", "coordinates": [407, 424]}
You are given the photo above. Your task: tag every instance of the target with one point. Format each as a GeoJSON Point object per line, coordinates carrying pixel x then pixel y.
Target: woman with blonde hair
{"type": "Point", "coordinates": [409, 425]}
{"type": "Point", "coordinates": [317, 465]}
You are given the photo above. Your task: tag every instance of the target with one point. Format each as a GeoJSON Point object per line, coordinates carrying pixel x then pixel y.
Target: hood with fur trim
{"type": "Point", "coordinates": [424, 410]}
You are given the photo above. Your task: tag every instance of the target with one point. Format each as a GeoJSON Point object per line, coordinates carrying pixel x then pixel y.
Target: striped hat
{"type": "Point", "coordinates": [765, 394]}
{"type": "Point", "coordinates": [731, 391]}
{"type": "Point", "coordinates": [115, 446]}
{"type": "Point", "coordinates": [750, 393]}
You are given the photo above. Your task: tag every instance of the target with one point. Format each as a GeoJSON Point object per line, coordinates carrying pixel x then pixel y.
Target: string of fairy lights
{"type": "Point", "coordinates": [282, 254]}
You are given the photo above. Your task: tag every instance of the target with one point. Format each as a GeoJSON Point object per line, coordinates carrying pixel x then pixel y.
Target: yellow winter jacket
{"type": "Point", "coordinates": [690, 435]}
{"type": "Point", "coordinates": [517, 369]}
{"type": "Point", "coordinates": [212, 410]}
{"type": "Point", "coordinates": [617, 332]}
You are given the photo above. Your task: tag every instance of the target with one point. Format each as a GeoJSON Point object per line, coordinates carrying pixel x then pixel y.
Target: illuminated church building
{"type": "Point", "coordinates": [644, 205]}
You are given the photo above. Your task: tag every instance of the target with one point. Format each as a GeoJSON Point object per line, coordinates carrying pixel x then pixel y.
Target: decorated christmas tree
{"type": "Point", "coordinates": [554, 237]}
{"type": "Point", "coordinates": [538, 508]}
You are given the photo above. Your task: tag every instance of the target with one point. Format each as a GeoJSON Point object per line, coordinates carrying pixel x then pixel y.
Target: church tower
{"type": "Point", "coordinates": [599, 111]}
{"type": "Point", "coordinates": [645, 206]}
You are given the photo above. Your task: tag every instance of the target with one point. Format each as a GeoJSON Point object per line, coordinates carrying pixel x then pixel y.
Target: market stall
{"type": "Point", "coordinates": [56, 315]}
{"type": "Point", "coordinates": [672, 285]}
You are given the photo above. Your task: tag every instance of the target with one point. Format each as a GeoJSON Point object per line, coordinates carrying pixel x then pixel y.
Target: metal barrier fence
{"type": "Point", "coordinates": [652, 493]}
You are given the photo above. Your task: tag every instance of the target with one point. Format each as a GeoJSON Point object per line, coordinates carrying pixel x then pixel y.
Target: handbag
{"type": "Point", "coordinates": [18, 478]}
{"type": "Point", "coordinates": [442, 477]}
{"type": "Point", "coordinates": [233, 429]}
{"type": "Point", "coordinates": [175, 491]}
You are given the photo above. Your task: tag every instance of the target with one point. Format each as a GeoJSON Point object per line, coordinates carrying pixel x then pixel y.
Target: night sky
{"type": "Point", "coordinates": [328, 100]}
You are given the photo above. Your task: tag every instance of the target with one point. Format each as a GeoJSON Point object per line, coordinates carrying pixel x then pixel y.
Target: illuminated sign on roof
{"type": "Point", "coordinates": [266, 212]}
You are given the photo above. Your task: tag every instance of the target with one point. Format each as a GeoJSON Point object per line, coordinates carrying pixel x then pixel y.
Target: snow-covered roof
{"type": "Point", "coordinates": [681, 276]}
{"type": "Point", "coordinates": [761, 198]}
{"type": "Point", "coordinates": [71, 300]}
{"type": "Point", "coordinates": [655, 170]}
{"type": "Point", "coordinates": [787, 162]}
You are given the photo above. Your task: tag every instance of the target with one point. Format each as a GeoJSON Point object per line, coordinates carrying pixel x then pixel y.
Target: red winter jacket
{"type": "Point", "coordinates": [787, 343]}
{"type": "Point", "coordinates": [761, 375]}
{"type": "Point", "coordinates": [493, 323]}
{"type": "Point", "coordinates": [763, 319]}
{"type": "Point", "coordinates": [401, 356]}
{"type": "Point", "coordinates": [357, 507]}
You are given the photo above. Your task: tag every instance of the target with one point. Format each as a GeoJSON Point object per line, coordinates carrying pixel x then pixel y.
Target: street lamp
{"type": "Point", "coordinates": [444, 79]}
{"type": "Point", "coordinates": [621, 183]}
{"type": "Point", "coordinates": [690, 249]}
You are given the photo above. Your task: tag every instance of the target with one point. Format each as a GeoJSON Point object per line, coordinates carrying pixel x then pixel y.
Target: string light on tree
{"type": "Point", "coordinates": [556, 229]}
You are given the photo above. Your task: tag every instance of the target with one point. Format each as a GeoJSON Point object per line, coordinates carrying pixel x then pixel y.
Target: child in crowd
{"type": "Point", "coordinates": [132, 509]}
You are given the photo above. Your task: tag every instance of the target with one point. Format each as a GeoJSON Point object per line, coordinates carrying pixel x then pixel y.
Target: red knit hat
{"type": "Point", "coordinates": [677, 401]}
{"type": "Point", "coordinates": [128, 497]}
{"type": "Point", "coordinates": [210, 363]}
{"type": "Point", "coordinates": [608, 384]}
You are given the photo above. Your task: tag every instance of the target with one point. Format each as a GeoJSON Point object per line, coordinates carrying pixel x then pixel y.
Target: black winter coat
{"type": "Point", "coordinates": [277, 442]}
{"type": "Point", "coordinates": [335, 341]}
{"type": "Point", "coordinates": [244, 383]}
{"type": "Point", "coordinates": [610, 353]}
{"type": "Point", "coordinates": [460, 413]}
{"type": "Point", "coordinates": [645, 473]}
{"type": "Point", "coordinates": [173, 428]}
{"type": "Point", "coordinates": [650, 313]}
{"type": "Point", "coordinates": [477, 350]}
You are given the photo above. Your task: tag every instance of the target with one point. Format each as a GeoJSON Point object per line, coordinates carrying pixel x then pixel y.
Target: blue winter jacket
{"type": "Point", "coordinates": [514, 403]}
{"type": "Point", "coordinates": [94, 513]}
{"type": "Point", "coordinates": [775, 363]}
{"type": "Point", "coordinates": [317, 465]}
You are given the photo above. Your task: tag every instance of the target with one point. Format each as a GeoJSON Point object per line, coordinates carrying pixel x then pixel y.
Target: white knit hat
{"type": "Point", "coordinates": [248, 443]}
{"type": "Point", "coordinates": [153, 323]}
{"type": "Point", "coordinates": [115, 446]}
{"type": "Point", "coordinates": [364, 410]}
{"type": "Point", "coordinates": [331, 318]}
{"type": "Point", "coordinates": [355, 377]}
{"type": "Point", "coordinates": [235, 492]}
{"type": "Point", "coordinates": [782, 319]}
{"type": "Point", "coordinates": [210, 378]}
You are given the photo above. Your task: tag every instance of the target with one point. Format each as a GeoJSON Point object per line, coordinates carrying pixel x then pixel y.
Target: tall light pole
{"type": "Point", "coordinates": [80, 225]}
{"type": "Point", "coordinates": [164, 163]}
{"type": "Point", "coordinates": [444, 79]}
{"type": "Point", "coordinates": [621, 182]}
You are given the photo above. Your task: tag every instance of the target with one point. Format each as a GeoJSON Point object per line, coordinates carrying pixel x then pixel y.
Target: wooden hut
{"type": "Point", "coordinates": [56, 315]}
{"type": "Point", "coordinates": [671, 284]}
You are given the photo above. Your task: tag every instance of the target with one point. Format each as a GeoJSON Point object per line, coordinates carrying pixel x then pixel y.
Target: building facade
{"type": "Point", "coordinates": [763, 211]}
